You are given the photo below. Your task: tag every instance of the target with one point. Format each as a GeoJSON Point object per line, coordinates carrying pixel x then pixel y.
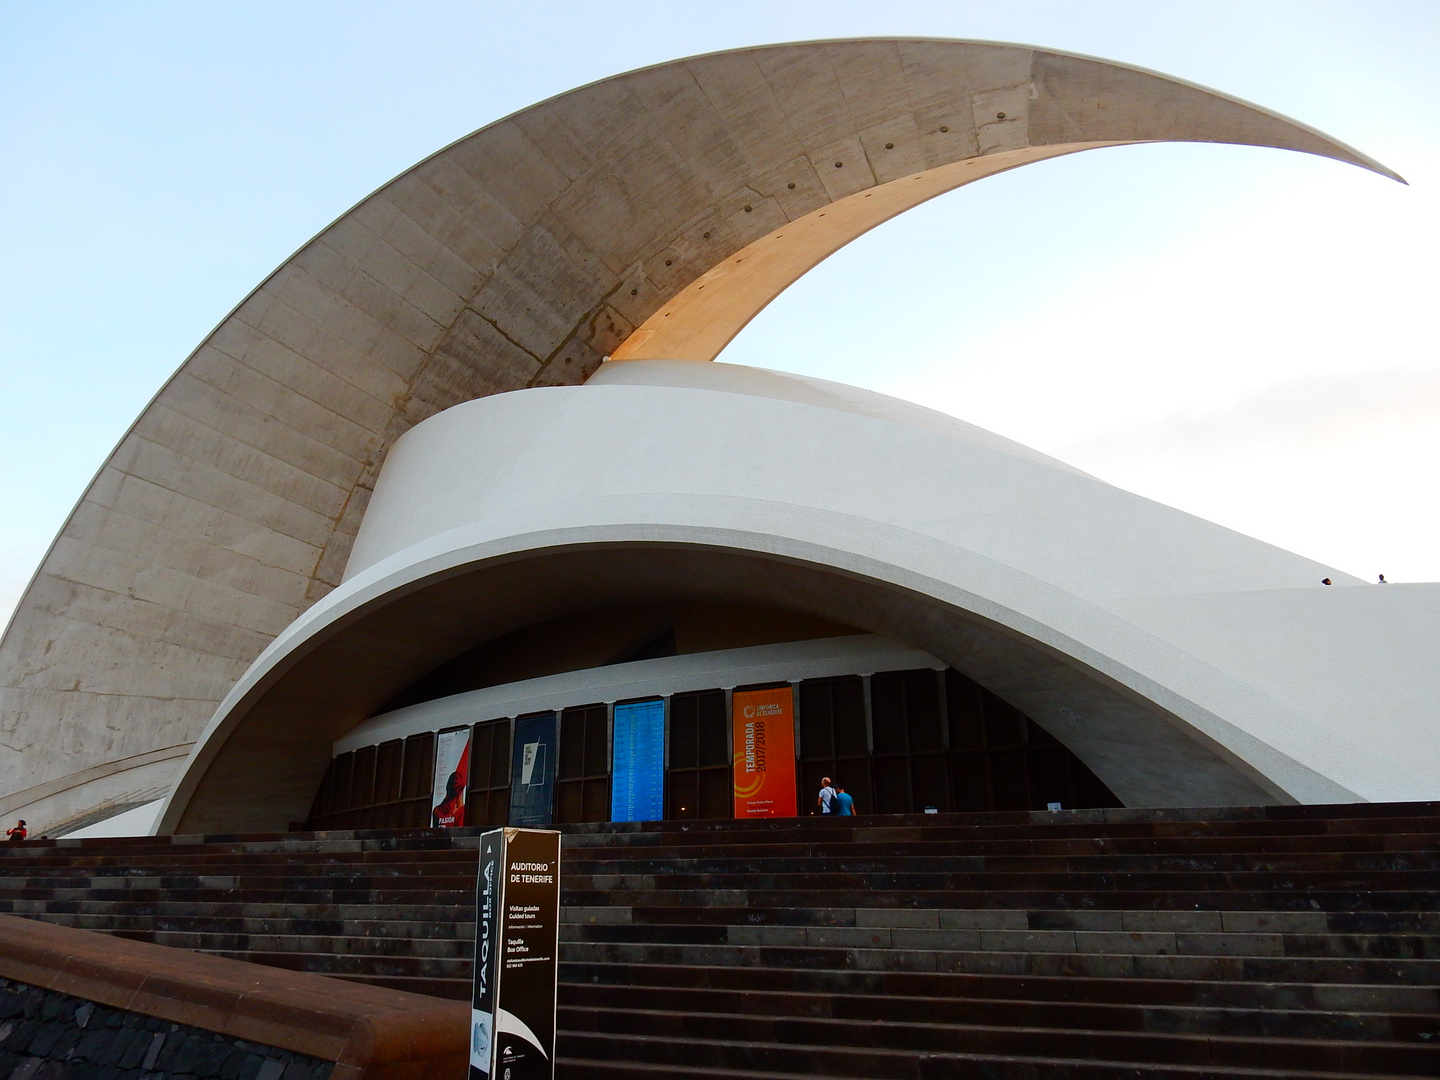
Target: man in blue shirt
{"type": "Point", "coordinates": [843, 804]}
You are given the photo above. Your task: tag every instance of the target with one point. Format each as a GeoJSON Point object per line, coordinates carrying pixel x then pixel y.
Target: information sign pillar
{"type": "Point", "coordinates": [517, 924]}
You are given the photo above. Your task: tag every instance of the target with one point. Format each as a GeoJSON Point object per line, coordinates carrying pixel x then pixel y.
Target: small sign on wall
{"type": "Point", "coordinates": [517, 924]}
{"type": "Point", "coordinates": [763, 726]}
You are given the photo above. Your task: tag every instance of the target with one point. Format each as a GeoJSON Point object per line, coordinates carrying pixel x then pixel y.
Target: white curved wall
{"type": "Point", "coordinates": [1184, 663]}
{"type": "Point", "coordinates": [1199, 619]}
{"type": "Point", "coordinates": [901, 465]}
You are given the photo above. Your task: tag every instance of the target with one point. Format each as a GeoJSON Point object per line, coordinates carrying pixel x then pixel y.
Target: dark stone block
{"type": "Point", "coordinates": [94, 1045]}
{"type": "Point", "coordinates": [20, 1039]}
{"type": "Point", "coordinates": [188, 1053]}
{"type": "Point", "coordinates": [211, 1058]}
{"type": "Point", "coordinates": [46, 1038]}
{"type": "Point", "coordinates": [298, 1071]}
{"type": "Point", "coordinates": [68, 1041]}
{"type": "Point", "coordinates": [234, 1061]}
{"type": "Point", "coordinates": [157, 1043]}
{"type": "Point", "coordinates": [117, 1042]}
{"type": "Point", "coordinates": [136, 1044]}
{"type": "Point", "coordinates": [165, 1058]}
{"type": "Point", "coordinates": [50, 1008]}
{"type": "Point", "coordinates": [250, 1066]}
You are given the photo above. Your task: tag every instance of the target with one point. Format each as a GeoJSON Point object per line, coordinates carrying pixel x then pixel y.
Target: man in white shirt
{"type": "Point", "coordinates": [826, 799]}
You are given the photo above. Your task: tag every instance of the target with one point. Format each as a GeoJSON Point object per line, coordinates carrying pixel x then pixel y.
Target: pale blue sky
{"type": "Point", "coordinates": [1245, 334]}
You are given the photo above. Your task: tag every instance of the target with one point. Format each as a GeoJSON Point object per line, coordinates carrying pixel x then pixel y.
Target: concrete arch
{"type": "Point", "coordinates": [259, 761]}
{"type": "Point", "coordinates": [519, 256]}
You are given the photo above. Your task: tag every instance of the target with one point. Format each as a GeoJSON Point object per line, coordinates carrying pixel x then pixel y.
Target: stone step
{"type": "Point", "coordinates": [1383, 911]}
{"type": "Point", "coordinates": [307, 945]}
{"type": "Point", "coordinates": [236, 910]}
{"type": "Point", "coordinates": [643, 894]}
{"type": "Point", "coordinates": [1008, 919]}
{"type": "Point", "coordinates": [379, 929]}
{"type": "Point", "coordinates": [841, 858]}
{"type": "Point", "coordinates": [351, 918]}
{"type": "Point", "coordinates": [587, 1069]}
{"type": "Point", "coordinates": [962, 880]}
{"type": "Point", "coordinates": [1002, 1012]}
{"type": "Point", "coordinates": [1215, 821]}
{"type": "Point", "coordinates": [125, 887]}
{"type": "Point", "coordinates": [1256, 870]}
{"type": "Point", "coordinates": [869, 828]}
{"type": "Point", "coordinates": [1336, 996]}
{"type": "Point", "coordinates": [454, 897]}
{"type": "Point", "coordinates": [661, 893]}
{"type": "Point", "coordinates": [1015, 961]}
{"type": "Point", "coordinates": [1204, 844]}
{"type": "Point", "coordinates": [994, 1067]}
{"type": "Point", "coordinates": [1252, 1059]}
{"type": "Point", "coordinates": [813, 1033]}
{"type": "Point", "coordinates": [892, 860]}
{"type": "Point", "coordinates": [1186, 932]}
{"type": "Point", "coordinates": [1150, 943]}
{"type": "Point", "coordinates": [284, 853]}
{"type": "Point", "coordinates": [839, 958]}
{"type": "Point", "coordinates": [1416, 834]}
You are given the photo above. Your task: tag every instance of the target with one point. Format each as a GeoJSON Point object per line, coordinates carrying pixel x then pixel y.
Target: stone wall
{"type": "Point", "coordinates": [82, 1004]}
{"type": "Point", "coordinates": [47, 1035]}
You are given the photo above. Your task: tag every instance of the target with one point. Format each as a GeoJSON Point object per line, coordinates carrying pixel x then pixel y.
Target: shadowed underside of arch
{"type": "Point", "coordinates": [649, 215]}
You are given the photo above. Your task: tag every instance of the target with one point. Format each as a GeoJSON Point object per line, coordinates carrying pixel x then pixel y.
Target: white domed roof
{"type": "Point", "coordinates": [784, 386]}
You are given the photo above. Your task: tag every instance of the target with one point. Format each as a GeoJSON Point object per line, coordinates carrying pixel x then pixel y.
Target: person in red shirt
{"type": "Point", "coordinates": [19, 832]}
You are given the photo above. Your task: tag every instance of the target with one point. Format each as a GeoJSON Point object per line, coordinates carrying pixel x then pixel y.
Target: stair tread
{"type": "Point", "coordinates": [1031, 1061]}
{"type": "Point", "coordinates": [1078, 1032]}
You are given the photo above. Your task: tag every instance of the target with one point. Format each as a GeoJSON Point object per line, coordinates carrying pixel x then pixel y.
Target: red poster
{"type": "Point", "coordinates": [452, 777]}
{"type": "Point", "coordinates": [763, 722]}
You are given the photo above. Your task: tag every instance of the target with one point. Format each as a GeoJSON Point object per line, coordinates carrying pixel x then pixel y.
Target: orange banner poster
{"type": "Point", "coordinates": [763, 722]}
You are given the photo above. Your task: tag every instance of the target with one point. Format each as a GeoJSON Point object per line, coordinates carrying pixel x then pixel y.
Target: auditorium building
{"type": "Point", "coordinates": [457, 520]}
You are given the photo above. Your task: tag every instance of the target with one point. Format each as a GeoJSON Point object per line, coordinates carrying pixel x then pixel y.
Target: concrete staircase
{"type": "Point", "coordinates": [1298, 941]}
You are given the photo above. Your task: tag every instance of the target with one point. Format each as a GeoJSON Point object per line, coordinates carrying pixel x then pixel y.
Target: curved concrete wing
{"type": "Point", "coordinates": [517, 257]}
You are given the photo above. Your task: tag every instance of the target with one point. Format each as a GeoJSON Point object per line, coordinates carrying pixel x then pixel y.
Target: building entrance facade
{"type": "Point", "coordinates": [914, 741]}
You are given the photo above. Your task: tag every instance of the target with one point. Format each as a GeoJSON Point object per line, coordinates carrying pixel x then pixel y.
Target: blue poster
{"type": "Point", "coordinates": [532, 771]}
{"type": "Point", "coordinates": [637, 781]}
